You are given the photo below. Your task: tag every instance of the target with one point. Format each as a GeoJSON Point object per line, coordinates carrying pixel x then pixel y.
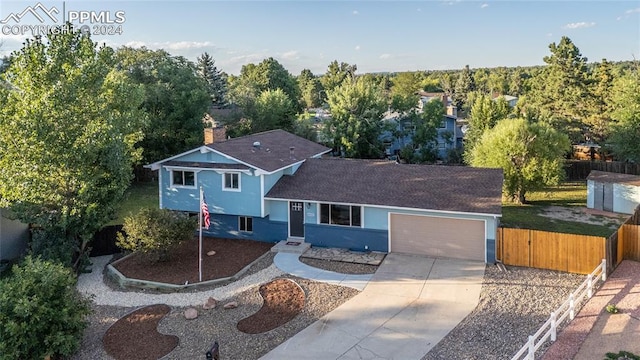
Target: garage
{"type": "Point", "coordinates": [437, 236]}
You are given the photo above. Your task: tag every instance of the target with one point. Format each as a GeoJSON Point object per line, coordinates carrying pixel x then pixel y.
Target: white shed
{"type": "Point", "coordinates": [613, 192]}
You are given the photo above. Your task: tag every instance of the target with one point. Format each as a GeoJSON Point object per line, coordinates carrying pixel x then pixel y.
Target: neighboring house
{"type": "Point", "coordinates": [258, 187]}
{"type": "Point", "coordinates": [511, 100]}
{"type": "Point", "coordinates": [450, 135]}
{"type": "Point", "coordinates": [14, 237]}
{"type": "Point", "coordinates": [613, 192]}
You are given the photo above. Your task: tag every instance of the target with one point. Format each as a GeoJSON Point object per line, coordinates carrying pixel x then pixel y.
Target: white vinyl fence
{"type": "Point", "coordinates": [568, 309]}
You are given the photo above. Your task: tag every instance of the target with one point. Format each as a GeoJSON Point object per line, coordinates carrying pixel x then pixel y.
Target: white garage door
{"type": "Point", "coordinates": [437, 236]}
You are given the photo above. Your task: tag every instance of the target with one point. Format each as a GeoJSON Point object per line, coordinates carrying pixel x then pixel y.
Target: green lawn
{"type": "Point", "coordinates": [139, 195]}
{"type": "Point", "coordinates": [569, 194]}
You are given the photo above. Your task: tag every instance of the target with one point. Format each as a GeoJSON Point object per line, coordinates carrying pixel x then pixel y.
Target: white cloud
{"type": "Point", "coordinates": [385, 56]}
{"type": "Point", "coordinates": [419, 10]}
{"type": "Point", "coordinates": [355, 12]}
{"type": "Point", "coordinates": [549, 34]}
{"type": "Point", "coordinates": [180, 45]}
{"type": "Point", "coordinates": [631, 11]}
{"type": "Point", "coordinates": [357, 47]}
{"type": "Point", "coordinates": [135, 44]}
{"type": "Point", "coordinates": [579, 25]}
{"type": "Point", "coordinates": [485, 5]}
{"type": "Point", "coordinates": [291, 55]}
{"type": "Point", "coordinates": [184, 45]}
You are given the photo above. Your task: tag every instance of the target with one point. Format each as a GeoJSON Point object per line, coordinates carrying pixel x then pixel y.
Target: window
{"type": "Point", "coordinates": [246, 224]}
{"type": "Point", "coordinates": [345, 215]}
{"type": "Point", "coordinates": [231, 181]}
{"type": "Point", "coordinates": [183, 178]}
{"type": "Point", "coordinates": [442, 125]}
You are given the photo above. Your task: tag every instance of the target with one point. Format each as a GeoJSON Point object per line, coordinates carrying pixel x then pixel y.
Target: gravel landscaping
{"type": "Point", "coordinates": [513, 305]}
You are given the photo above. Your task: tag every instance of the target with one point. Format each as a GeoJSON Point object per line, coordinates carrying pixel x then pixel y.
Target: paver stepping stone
{"type": "Point", "coordinates": [283, 300]}
{"type": "Point", "coordinates": [136, 336]}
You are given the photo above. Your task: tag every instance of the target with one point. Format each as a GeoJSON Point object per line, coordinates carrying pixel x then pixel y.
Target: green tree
{"type": "Point", "coordinates": [336, 75]}
{"type": "Point", "coordinates": [355, 125]}
{"type": "Point", "coordinates": [518, 82]}
{"type": "Point", "coordinates": [559, 94]}
{"type": "Point", "coordinates": [404, 91]}
{"type": "Point", "coordinates": [176, 99]}
{"type": "Point", "coordinates": [485, 114]}
{"type": "Point", "coordinates": [273, 110]}
{"type": "Point", "coordinates": [41, 312]}
{"type": "Point", "coordinates": [464, 85]}
{"type": "Point", "coordinates": [271, 75]}
{"type": "Point", "coordinates": [216, 82]}
{"type": "Point", "coordinates": [625, 99]}
{"type": "Point", "coordinates": [156, 232]}
{"type": "Point", "coordinates": [530, 154]}
{"type": "Point", "coordinates": [310, 88]}
{"type": "Point", "coordinates": [304, 126]}
{"type": "Point", "coordinates": [425, 135]}
{"type": "Point", "coordinates": [68, 126]}
{"type": "Point", "coordinates": [599, 116]}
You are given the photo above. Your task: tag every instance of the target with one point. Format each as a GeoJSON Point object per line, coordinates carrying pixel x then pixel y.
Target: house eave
{"type": "Point", "coordinates": [450, 212]}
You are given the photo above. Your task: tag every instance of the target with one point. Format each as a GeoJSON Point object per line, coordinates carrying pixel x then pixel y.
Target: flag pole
{"type": "Point", "coordinates": [200, 239]}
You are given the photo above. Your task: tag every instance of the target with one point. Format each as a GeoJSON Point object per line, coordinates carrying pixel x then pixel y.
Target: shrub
{"type": "Point", "coordinates": [612, 309]}
{"type": "Point", "coordinates": [622, 355]}
{"type": "Point", "coordinates": [156, 232]}
{"type": "Point", "coordinates": [41, 312]}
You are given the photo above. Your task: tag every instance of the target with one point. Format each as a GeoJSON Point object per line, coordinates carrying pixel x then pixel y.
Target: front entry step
{"type": "Point", "coordinates": [293, 246]}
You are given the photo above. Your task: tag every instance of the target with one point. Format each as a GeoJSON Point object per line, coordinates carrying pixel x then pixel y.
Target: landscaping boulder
{"type": "Point", "coordinates": [190, 314]}
{"type": "Point", "coordinates": [231, 305]}
{"type": "Point", "coordinates": [210, 304]}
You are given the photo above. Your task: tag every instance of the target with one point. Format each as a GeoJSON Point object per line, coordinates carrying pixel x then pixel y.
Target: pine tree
{"type": "Point", "coordinates": [464, 85]}
{"type": "Point", "coordinates": [215, 79]}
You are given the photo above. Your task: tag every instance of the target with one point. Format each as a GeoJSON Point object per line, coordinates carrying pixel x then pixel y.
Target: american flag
{"type": "Point", "coordinates": [206, 219]}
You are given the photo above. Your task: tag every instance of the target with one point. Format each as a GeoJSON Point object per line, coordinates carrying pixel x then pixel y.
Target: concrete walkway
{"type": "Point", "coordinates": [291, 264]}
{"type": "Point", "coordinates": [407, 307]}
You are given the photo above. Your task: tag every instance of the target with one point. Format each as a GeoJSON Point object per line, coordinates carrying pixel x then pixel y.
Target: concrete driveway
{"type": "Point", "coordinates": [409, 305]}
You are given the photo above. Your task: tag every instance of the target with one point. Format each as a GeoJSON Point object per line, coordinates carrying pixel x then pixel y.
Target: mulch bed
{"type": "Point", "coordinates": [231, 256]}
{"type": "Point", "coordinates": [136, 336]}
{"type": "Point", "coordinates": [283, 301]}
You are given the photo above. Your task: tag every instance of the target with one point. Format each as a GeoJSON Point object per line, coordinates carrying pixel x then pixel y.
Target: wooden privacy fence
{"type": "Point", "coordinates": [549, 250]}
{"type": "Point", "coordinates": [629, 242]}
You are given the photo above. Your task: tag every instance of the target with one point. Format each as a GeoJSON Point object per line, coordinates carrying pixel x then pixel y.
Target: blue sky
{"type": "Point", "coordinates": [377, 36]}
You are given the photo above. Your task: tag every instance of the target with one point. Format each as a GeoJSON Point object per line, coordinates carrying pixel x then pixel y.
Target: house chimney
{"type": "Point", "coordinates": [219, 134]}
{"type": "Point", "coordinates": [452, 110]}
{"type": "Point", "coordinates": [208, 136]}
{"type": "Point", "coordinates": [292, 153]}
{"type": "Point", "coordinates": [213, 135]}
{"type": "Point", "coordinates": [445, 100]}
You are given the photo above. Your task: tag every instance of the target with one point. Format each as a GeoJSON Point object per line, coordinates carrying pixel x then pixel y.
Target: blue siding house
{"type": "Point", "coordinates": [275, 186]}
{"type": "Point", "coordinates": [450, 135]}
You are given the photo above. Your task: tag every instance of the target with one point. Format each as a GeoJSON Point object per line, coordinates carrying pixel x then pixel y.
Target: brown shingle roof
{"type": "Point", "coordinates": [615, 178]}
{"type": "Point", "coordinates": [274, 151]}
{"type": "Point", "coordinates": [445, 188]}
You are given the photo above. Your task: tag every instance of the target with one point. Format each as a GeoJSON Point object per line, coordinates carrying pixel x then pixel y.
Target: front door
{"type": "Point", "coordinates": [296, 219]}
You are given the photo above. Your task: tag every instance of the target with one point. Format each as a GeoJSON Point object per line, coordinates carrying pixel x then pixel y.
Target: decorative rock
{"type": "Point", "coordinates": [210, 304]}
{"type": "Point", "coordinates": [231, 305]}
{"type": "Point", "coordinates": [190, 314]}
{"type": "Point", "coordinates": [211, 253]}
